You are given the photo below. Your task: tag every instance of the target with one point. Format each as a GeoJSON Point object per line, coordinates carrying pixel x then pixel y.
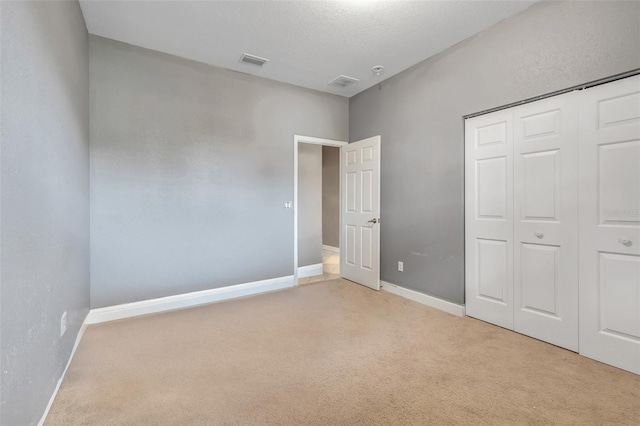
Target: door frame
{"type": "Point", "coordinates": [297, 139]}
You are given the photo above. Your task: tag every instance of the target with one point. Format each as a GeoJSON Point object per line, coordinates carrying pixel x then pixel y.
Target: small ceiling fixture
{"type": "Point", "coordinates": [253, 59]}
{"type": "Point", "coordinates": [378, 69]}
{"type": "Point", "coordinates": [343, 81]}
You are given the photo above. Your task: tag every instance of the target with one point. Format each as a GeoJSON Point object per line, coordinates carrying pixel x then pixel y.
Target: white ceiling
{"type": "Point", "coordinates": [308, 43]}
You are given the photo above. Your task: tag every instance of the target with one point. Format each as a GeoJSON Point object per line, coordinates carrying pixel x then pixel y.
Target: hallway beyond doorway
{"type": "Point", "coordinates": [330, 267]}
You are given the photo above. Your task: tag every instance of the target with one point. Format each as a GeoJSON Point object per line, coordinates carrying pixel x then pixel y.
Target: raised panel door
{"type": "Point", "coordinates": [545, 220]}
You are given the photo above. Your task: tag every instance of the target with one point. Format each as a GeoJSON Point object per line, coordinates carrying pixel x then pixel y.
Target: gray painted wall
{"type": "Point", "coordinates": [309, 204]}
{"type": "Point", "coordinates": [44, 192]}
{"type": "Point", "coordinates": [419, 112]}
{"type": "Point", "coordinates": [190, 169]}
{"type": "Point", "coordinates": [331, 196]}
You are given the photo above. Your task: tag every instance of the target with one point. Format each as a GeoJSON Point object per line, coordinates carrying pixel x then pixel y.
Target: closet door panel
{"type": "Point", "coordinates": [539, 279]}
{"type": "Point", "coordinates": [609, 156]}
{"type": "Point", "coordinates": [489, 218]}
{"type": "Point", "coordinates": [540, 180]}
{"type": "Point", "coordinates": [545, 220]}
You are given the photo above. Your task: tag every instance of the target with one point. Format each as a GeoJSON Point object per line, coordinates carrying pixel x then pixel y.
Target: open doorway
{"type": "Point", "coordinates": [330, 212]}
{"type": "Point", "coordinates": [316, 209]}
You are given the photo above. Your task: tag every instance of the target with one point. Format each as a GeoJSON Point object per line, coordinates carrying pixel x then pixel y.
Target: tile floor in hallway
{"type": "Point", "coordinates": [330, 268]}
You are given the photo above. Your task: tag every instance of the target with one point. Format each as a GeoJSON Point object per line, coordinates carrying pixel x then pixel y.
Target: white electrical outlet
{"type": "Point", "coordinates": [63, 323]}
{"type": "Point", "coordinates": [400, 266]}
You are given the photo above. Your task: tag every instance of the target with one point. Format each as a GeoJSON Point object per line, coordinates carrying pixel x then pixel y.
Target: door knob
{"type": "Point", "coordinates": [540, 235]}
{"type": "Point", "coordinates": [374, 220]}
{"type": "Point", "coordinates": [625, 241]}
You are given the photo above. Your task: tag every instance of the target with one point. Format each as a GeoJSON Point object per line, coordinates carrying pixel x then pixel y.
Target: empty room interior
{"type": "Point", "coordinates": [319, 212]}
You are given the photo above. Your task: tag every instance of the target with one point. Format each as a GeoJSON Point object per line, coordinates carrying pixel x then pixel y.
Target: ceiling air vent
{"type": "Point", "coordinates": [253, 60]}
{"type": "Point", "coordinates": [343, 81]}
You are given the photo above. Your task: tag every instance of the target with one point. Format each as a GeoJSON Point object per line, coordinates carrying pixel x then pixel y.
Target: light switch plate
{"type": "Point", "coordinates": [63, 323]}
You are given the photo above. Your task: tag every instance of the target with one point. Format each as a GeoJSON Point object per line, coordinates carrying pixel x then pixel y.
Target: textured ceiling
{"type": "Point", "coordinates": [308, 43]}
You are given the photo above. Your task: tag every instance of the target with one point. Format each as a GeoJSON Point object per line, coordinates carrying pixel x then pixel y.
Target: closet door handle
{"type": "Point", "coordinates": [625, 241]}
{"type": "Point", "coordinates": [539, 235]}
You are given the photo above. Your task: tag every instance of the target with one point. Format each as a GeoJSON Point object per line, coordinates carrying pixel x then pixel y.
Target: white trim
{"type": "Point", "coordinates": [83, 327]}
{"type": "Point", "coordinates": [434, 302]}
{"type": "Point", "coordinates": [310, 270]}
{"type": "Point", "coordinates": [331, 248]}
{"type": "Point", "coordinates": [318, 141]}
{"type": "Point", "coordinates": [186, 300]}
{"type": "Point", "coordinates": [312, 140]}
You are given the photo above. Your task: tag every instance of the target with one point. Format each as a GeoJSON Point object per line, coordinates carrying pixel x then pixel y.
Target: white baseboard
{"type": "Point", "coordinates": [331, 248]}
{"type": "Point", "coordinates": [179, 301]}
{"type": "Point", "coordinates": [434, 302]}
{"type": "Point", "coordinates": [83, 327]}
{"type": "Point", "coordinates": [310, 270]}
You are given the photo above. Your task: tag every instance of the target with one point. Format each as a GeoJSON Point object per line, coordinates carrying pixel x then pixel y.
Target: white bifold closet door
{"type": "Point", "coordinates": [609, 159]}
{"type": "Point", "coordinates": [521, 219]}
{"type": "Point", "coordinates": [546, 220]}
{"type": "Point", "coordinates": [552, 191]}
{"type": "Point", "coordinates": [489, 217]}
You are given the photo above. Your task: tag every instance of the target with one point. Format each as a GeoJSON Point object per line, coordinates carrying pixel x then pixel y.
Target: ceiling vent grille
{"type": "Point", "coordinates": [253, 60]}
{"type": "Point", "coordinates": [343, 81]}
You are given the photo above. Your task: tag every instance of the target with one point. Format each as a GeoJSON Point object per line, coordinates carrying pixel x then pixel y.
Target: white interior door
{"type": "Point", "coordinates": [609, 197]}
{"type": "Point", "coordinates": [545, 193]}
{"type": "Point", "coordinates": [360, 216]}
{"type": "Point", "coordinates": [489, 217]}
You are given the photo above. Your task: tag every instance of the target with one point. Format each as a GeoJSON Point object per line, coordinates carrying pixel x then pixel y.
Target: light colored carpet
{"type": "Point", "coordinates": [332, 353]}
